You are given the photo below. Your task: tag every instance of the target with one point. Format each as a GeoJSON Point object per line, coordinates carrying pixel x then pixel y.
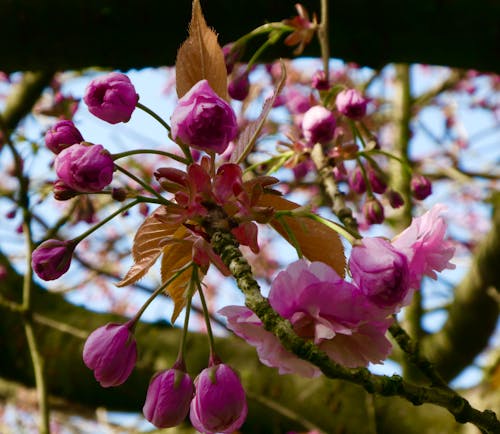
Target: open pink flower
{"type": "Point", "coordinates": [425, 247]}
{"type": "Point", "coordinates": [322, 307]}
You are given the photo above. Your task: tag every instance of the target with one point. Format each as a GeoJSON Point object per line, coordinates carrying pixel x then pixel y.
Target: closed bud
{"type": "Point", "coordinates": [373, 211]}
{"type": "Point", "coordinates": [119, 194]}
{"type": "Point", "coordinates": [356, 181]}
{"type": "Point", "coordinates": [377, 181]}
{"type": "Point", "coordinates": [62, 191]}
{"type": "Point", "coordinates": [395, 199]}
{"type": "Point", "coordinates": [318, 125]}
{"type": "Point", "coordinates": [52, 258]}
{"type": "Point", "coordinates": [62, 135]}
{"type": "Point", "coordinates": [168, 397]}
{"type": "Point", "coordinates": [204, 120]}
{"type": "Point", "coordinates": [320, 81]}
{"type": "Point", "coordinates": [421, 187]}
{"type": "Point", "coordinates": [111, 352]}
{"type": "Point", "coordinates": [239, 87]}
{"type": "Point", "coordinates": [351, 103]}
{"type": "Point", "coordinates": [219, 404]}
{"type": "Point", "coordinates": [111, 98]}
{"type": "Point", "coordinates": [85, 167]}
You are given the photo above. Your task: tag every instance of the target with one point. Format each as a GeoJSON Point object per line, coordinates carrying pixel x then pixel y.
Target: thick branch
{"type": "Point", "coordinates": [128, 34]}
{"type": "Point", "coordinates": [473, 316]}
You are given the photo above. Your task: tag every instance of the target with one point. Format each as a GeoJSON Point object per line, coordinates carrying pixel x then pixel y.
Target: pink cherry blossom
{"type": "Point", "coordinates": [425, 247]}
{"type": "Point", "coordinates": [322, 307]}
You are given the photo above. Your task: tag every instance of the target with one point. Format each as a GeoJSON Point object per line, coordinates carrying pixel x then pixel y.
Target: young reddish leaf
{"type": "Point", "coordinates": [148, 245]}
{"type": "Point", "coordinates": [248, 137]}
{"type": "Point", "coordinates": [176, 255]}
{"type": "Point", "coordinates": [200, 57]}
{"type": "Point", "coordinates": [316, 241]}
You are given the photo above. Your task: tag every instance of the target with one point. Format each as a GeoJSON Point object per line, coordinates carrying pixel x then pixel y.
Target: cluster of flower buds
{"type": "Point", "coordinates": [348, 320]}
{"type": "Point", "coordinates": [82, 167]}
{"type": "Point", "coordinates": [216, 401]}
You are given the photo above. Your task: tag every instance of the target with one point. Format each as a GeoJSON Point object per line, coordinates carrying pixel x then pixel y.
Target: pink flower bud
{"type": "Point", "coordinates": [62, 191]}
{"type": "Point", "coordinates": [421, 187]}
{"type": "Point", "coordinates": [167, 400]}
{"type": "Point", "coordinates": [381, 272]}
{"type": "Point", "coordinates": [111, 352]}
{"type": "Point", "coordinates": [357, 181]}
{"type": "Point", "coordinates": [51, 259]}
{"type": "Point", "coordinates": [351, 104]}
{"type": "Point", "coordinates": [296, 101]}
{"type": "Point", "coordinates": [395, 199]}
{"type": "Point", "coordinates": [318, 125]}
{"type": "Point", "coordinates": [219, 405]}
{"type": "Point", "coordinates": [111, 98]}
{"type": "Point", "coordinates": [85, 167]}
{"type": "Point", "coordinates": [204, 120]}
{"type": "Point", "coordinates": [373, 211]}
{"type": "Point", "coordinates": [425, 246]}
{"type": "Point", "coordinates": [62, 135]}
{"type": "Point", "coordinates": [320, 81]}
{"type": "Point", "coordinates": [238, 87]}
{"type": "Point", "coordinates": [377, 181]}
{"type": "Point", "coordinates": [231, 55]}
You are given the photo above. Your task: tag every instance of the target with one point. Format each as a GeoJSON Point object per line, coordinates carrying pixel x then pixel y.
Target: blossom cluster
{"type": "Point", "coordinates": [348, 320]}
{"type": "Point", "coordinates": [215, 401]}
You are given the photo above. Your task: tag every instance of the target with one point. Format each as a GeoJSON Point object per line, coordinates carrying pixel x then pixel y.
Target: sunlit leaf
{"type": "Point", "coordinates": [200, 57]}
{"type": "Point", "coordinates": [176, 255]}
{"type": "Point", "coordinates": [248, 137]}
{"type": "Point", "coordinates": [317, 241]}
{"type": "Point", "coordinates": [147, 246]}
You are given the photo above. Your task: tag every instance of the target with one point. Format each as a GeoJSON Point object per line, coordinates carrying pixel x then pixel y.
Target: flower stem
{"type": "Point", "coordinates": [107, 219]}
{"type": "Point", "coordinates": [206, 315]}
{"type": "Point", "coordinates": [189, 299]}
{"type": "Point", "coordinates": [141, 183]}
{"type": "Point", "coordinates": [323, 37]}
{"type": "Point", "coordinates": [159, 291]}
{"type": "Point", "coordinates": [154, 115]}
{"type": "Point", "coordinates": [150, 151]}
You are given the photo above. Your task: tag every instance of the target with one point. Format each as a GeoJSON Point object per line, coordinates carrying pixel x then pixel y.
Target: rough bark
{"type": "Point", "coordinates": [473, 315]}
{"type": "Point", "coordinates": [125, 34]}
